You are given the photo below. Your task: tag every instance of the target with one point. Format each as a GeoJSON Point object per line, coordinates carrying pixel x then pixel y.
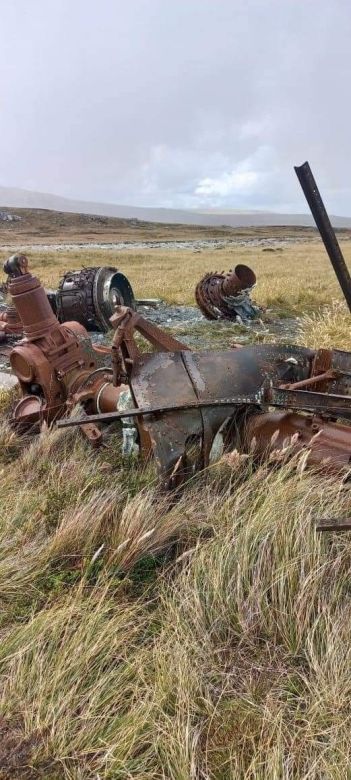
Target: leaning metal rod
{"type": "Point", "coordinates": [320, 216]}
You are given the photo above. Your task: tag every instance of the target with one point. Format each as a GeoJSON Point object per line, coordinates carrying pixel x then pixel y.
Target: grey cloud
{"type": "Point", "coordinates": [187, 103]}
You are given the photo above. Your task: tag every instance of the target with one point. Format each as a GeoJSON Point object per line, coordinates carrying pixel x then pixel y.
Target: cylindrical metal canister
{"type": "Point", "coordinates": [90, 296]}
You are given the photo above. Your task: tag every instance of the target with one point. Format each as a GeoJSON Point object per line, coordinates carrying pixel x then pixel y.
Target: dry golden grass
{"type": "Point", "coordinates": [328, 328]}
{"type": "Point", "coordinates": [227, 656]}
{"type": "Point", "coordinates": [299, 278]}
{"type": "Point", "coordinates": [209, 639]}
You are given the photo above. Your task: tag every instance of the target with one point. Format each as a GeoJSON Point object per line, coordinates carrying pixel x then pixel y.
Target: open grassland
{"type": "Point", "coordinates": [43, 226]}
{"type": "Point", "coordinates": [205, 640]}
{"type": "Point", "coordinates": [293, 279]}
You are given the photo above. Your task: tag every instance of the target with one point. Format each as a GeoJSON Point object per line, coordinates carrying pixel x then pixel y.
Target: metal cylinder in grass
{"type": "Point", "coordinates": [226, 296]}
{"type": "Point", "coordinates": [90, 295]}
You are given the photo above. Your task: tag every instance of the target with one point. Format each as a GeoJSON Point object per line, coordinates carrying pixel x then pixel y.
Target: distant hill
{"type": "Point", "coordinates": [13, 197]}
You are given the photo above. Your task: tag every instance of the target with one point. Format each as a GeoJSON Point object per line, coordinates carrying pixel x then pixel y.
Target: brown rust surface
{"type": "Point", "coordinates": [215, 293]}
{"type": "Point", "coordinates": [57, 367]}
{"type": "Point", "coordinates": [329, 444]}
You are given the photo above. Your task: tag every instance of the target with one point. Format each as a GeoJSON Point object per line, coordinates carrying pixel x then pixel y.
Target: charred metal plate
{"type": "Point", "coordinates": [243, 371]}
{"type": "Point", "coordinates": [161, 377]}
{"type": "Point", "coordinates": [183, 377]}
{"type": "Point", "coordinates": [239, 373]}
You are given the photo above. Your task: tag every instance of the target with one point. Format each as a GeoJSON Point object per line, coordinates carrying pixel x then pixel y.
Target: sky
{"type": "Point", "coordinates": [177, 103]}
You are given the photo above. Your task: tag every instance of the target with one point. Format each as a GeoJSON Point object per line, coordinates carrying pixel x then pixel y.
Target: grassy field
{"type": "Point", "coordinates": [208, 640]}
{"type": "Point", "coordinates": [293, 279]}
{"type": "Point", "coordinates": [42, 226]}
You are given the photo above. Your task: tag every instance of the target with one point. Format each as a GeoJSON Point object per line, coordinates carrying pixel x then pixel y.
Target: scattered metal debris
{"type": "Point", "coordinates": [176, 402]}
{"type": "Point", "coordinates": [227, 296]}
{"type": "Point", "coordinates": [183, 407]}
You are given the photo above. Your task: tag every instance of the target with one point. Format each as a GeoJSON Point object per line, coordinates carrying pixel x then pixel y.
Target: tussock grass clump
{"type": "Point", "coordinates": [256, 631]}
{"type": "Point", "coordinates": [145, 639]}
{"type": "Point", "coordinates": [328, 328]}
{"type": "Point", "coordinates": [74, 672]}
{"type": "Point", "coordinates": [66, 515]}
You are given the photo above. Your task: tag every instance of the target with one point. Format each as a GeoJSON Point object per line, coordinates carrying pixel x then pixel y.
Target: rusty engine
{"type": "Point", "coordinates": [183, 407]}
{"type": "Point", "coordinates": [88, 296]}
{"type": "Point", "coordinates": [227, 296]}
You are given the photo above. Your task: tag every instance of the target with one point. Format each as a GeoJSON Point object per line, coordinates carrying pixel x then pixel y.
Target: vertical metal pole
{"type": "Point", "coordinates": [320, 216]}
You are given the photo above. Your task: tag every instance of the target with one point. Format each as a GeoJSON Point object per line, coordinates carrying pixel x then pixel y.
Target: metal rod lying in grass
{"type": "Point", "coordinates": [334, 524]}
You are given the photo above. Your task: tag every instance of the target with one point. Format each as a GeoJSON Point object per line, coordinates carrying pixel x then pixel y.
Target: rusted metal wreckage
{"type": "Point", "coordinates": [88, 296]}
{"type": "Point", "coordinates": [180, 406]}
{"type": "Point", "coordinates": [227, 296]}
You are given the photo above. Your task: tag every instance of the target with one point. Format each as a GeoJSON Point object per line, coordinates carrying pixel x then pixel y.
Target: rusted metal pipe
{"type": "Point", "coordinates": [329, 444]}
{"type": "Point", "coordinates": [144, 412]}
{"type": "Point", "coordinates": [320, 216]}
{"type": "Point", "coordinates": [334, 524]}
{"type": "Point", "coordinates": [311, 381]}
{"type": "Point", "coordinates": [242, 278]}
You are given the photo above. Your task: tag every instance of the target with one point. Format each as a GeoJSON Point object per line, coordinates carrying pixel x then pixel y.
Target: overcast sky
{"type": "Point", "coordinates": [185, 103]}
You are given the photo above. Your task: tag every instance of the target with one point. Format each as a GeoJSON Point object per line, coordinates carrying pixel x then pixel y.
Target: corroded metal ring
{"type": "Point", "coordinates": [91, 295]}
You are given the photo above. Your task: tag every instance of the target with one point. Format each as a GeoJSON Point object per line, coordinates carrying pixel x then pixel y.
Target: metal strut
{"type": "Point", "coordinates": [320, 216]}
